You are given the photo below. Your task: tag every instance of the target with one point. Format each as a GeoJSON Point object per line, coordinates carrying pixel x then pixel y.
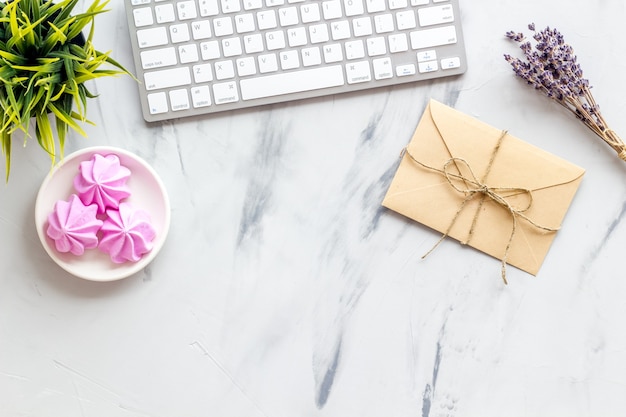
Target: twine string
{"type": "Point", "coordinates": [611, 137]}
{"type": "Point", "coordinates": [472, 187]}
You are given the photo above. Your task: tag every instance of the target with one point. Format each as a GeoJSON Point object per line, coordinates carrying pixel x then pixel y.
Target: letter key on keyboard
{"type": "Point", "coordinates": [205, 56]}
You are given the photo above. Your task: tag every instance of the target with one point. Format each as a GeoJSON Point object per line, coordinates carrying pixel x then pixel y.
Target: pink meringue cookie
{"type": "Point", "coordinates": [127, 234]}
{"type": "Point", "coordinates": [73, 226]}
{"type": "Point", "coordinates": [102, 181]}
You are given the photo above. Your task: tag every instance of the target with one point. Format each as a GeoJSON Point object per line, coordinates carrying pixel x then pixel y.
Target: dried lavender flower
{"type": "Point", "coordinates": [552, 68]}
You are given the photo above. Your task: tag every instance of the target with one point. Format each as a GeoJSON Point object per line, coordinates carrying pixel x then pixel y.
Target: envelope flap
{"type": "Point", "coordinates": [516, 163]}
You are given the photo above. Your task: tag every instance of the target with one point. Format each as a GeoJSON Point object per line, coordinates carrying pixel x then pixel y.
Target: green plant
{"type": "Point", "coordinates": [45, 61]}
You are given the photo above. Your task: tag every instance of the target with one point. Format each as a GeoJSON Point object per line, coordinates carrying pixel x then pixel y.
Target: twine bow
{"type": "Point", "coordinates": [471, 186]}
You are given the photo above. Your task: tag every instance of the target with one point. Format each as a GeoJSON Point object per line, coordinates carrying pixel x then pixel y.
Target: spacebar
{"type": "Point", "coordinates": [291, 82]}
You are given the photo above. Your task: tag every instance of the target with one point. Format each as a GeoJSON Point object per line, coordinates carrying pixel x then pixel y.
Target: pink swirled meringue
{"type": "Point", "coordinates": [102, 181]}
{"type": "Point", "coordinates": [73, 226]}
{"type": "Point", "coordinates": [127, 234]}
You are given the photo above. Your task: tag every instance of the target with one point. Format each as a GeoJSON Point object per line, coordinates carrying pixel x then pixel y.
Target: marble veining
{"type": "Point", "coordinates": [286, 289]}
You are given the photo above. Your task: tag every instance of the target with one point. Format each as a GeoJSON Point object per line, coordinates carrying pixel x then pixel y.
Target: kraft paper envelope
{"type": "Point", "coordinates": [478, 155]}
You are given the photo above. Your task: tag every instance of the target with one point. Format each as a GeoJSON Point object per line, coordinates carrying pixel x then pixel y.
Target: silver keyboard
{"type": "Point", "coordinates": [204, 56]}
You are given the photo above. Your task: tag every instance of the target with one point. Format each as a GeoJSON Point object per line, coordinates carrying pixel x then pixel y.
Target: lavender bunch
{"type": "Point", "coordinates": [552, 68]}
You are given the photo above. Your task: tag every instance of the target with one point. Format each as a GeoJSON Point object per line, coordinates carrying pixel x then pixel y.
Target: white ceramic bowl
{"type": "Point", "coordinates": [147, 193]}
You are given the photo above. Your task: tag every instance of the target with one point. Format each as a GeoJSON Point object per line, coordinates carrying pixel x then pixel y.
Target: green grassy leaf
{"type": "Point", "coordinates": [45, 137]}
{"type": "Point", "coordinates": [66, 118]}
{"type": "Point", "coordinates": [64, 9]}
{"type": "Point", "coordinates": [5, 137]}
{"type": "Point", "coordinates": [12, 58]}
{"type": "Point", "coordinates": [51, 67]}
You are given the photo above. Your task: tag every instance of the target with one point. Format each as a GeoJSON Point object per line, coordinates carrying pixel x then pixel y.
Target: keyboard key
{"type": "Point", "coordinates": [225, 92]}
{"type": "Point", "coordinates": [186, 10]}
{"type": "Point", "coordinates": [429, 55]}
{"type": "Point", "coordinates": [353, 7]}
{"type": "Point", "coordinates": [223, 26]}
{"type": "Point", "coordinates": [275, 40]}
{"type": "Point", "coordinates": [179, 33]}
{"type": "Point", "coordinates": [266, 19]}
{"type": "Point", "coordinates": [333, 53]}
{"type": "Point", "coordinates": [430, 16]}
{"type": "Point", "coordinates": [252, 4]}
{"type": "Point", "coordinates": [450, 63]}
{"type": "Point", "coordinates": [398, 43]}
{"type": "Point", "coordinates": [200, 96]}
{"type": "Point", "coordinates": [179, 100]}
{"type": "Point", "coordinates": [201, 29]}
{"type": "Point", "coordinates": [332, 9]}
{"type": "Point", "coordinates": [382, 68]}
{"type": "Point", "coordinates": [406, 20]}
{"type": "Point", "coordinates": [147, 38]}
{"type": "Point", "coordinates": [208, 8]}
{"type": "Point", "coordinates": [297, 37]}
{"type": "Point", "coordinates": [310, 13]}
{"type": "Point", "coordinates": [253, 43]}
{"type": "Point", "coordinates": [210, 50]}
{"type": "Point", "coordinates": [231, 6]}
{"type": "Point", "coordinates": [311, 56]}
{"type": "Point", "coordinates": [358, 72]}
{"type": "Point", "coordinates": [244, 23]}
{"type": "Point", "coordinates": [202, 73]}
{"type": "Point", "coordinates": [288, 16]}
{"type": "Point", "coordinates": [429, 38]}
{"type": "Point", "coordinates": [167, 78]}
{"type": "Point", "coordinates": [318, 33]}
{"type": "Point", "coordinates": [267, 63]}
{"type": "Point", "coordinates": [188, 53]}
{"type": "Point", "coordinates": [291, 82]}
{"type": "Point", "coordinates": [224, 70]}
{"type": "Point", "coordinates": [164, 13]}
{"type": "Point", "coordinates": [355, 49]}
{"type": "Point", "coordinates": [246, 66]}
{"type": "Point", "coordinates": [362, 26]}
{"type": "Point", "coordinates": [157, 103]}
{"type": "Point", "coordinates": [231, 47]}
{"type": "Point", "coordinates": [397, 4]}
{"type": "Point", "coordinates": [384, 23]}
{"type": "Point", "coordinates": [376, 46]}
{"type": "Point", "coordinates": [143, 17]}
{"type": "Point", "coordinates": [340, 30]}
{"type": "Point", "coordinates": [375, 6]}
{"type": "Point", "coordinates": [425, 67]}
{"type": "Point", "coordinates": [405, 70]}
{"type": "Point", "coordinates": [289, 60]}
{"type": "Point", "coordinates": [158, 58]}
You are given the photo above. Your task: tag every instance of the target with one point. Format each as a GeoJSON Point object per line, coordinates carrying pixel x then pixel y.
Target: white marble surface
{"type": "Point", "coordinates": [284, 288]}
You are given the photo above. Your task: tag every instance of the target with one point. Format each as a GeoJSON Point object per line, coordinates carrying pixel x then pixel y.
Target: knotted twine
{"type": "Point", "coordinates": [474, 187]}
{"type": "Point", "coordinates": [614, 142]}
